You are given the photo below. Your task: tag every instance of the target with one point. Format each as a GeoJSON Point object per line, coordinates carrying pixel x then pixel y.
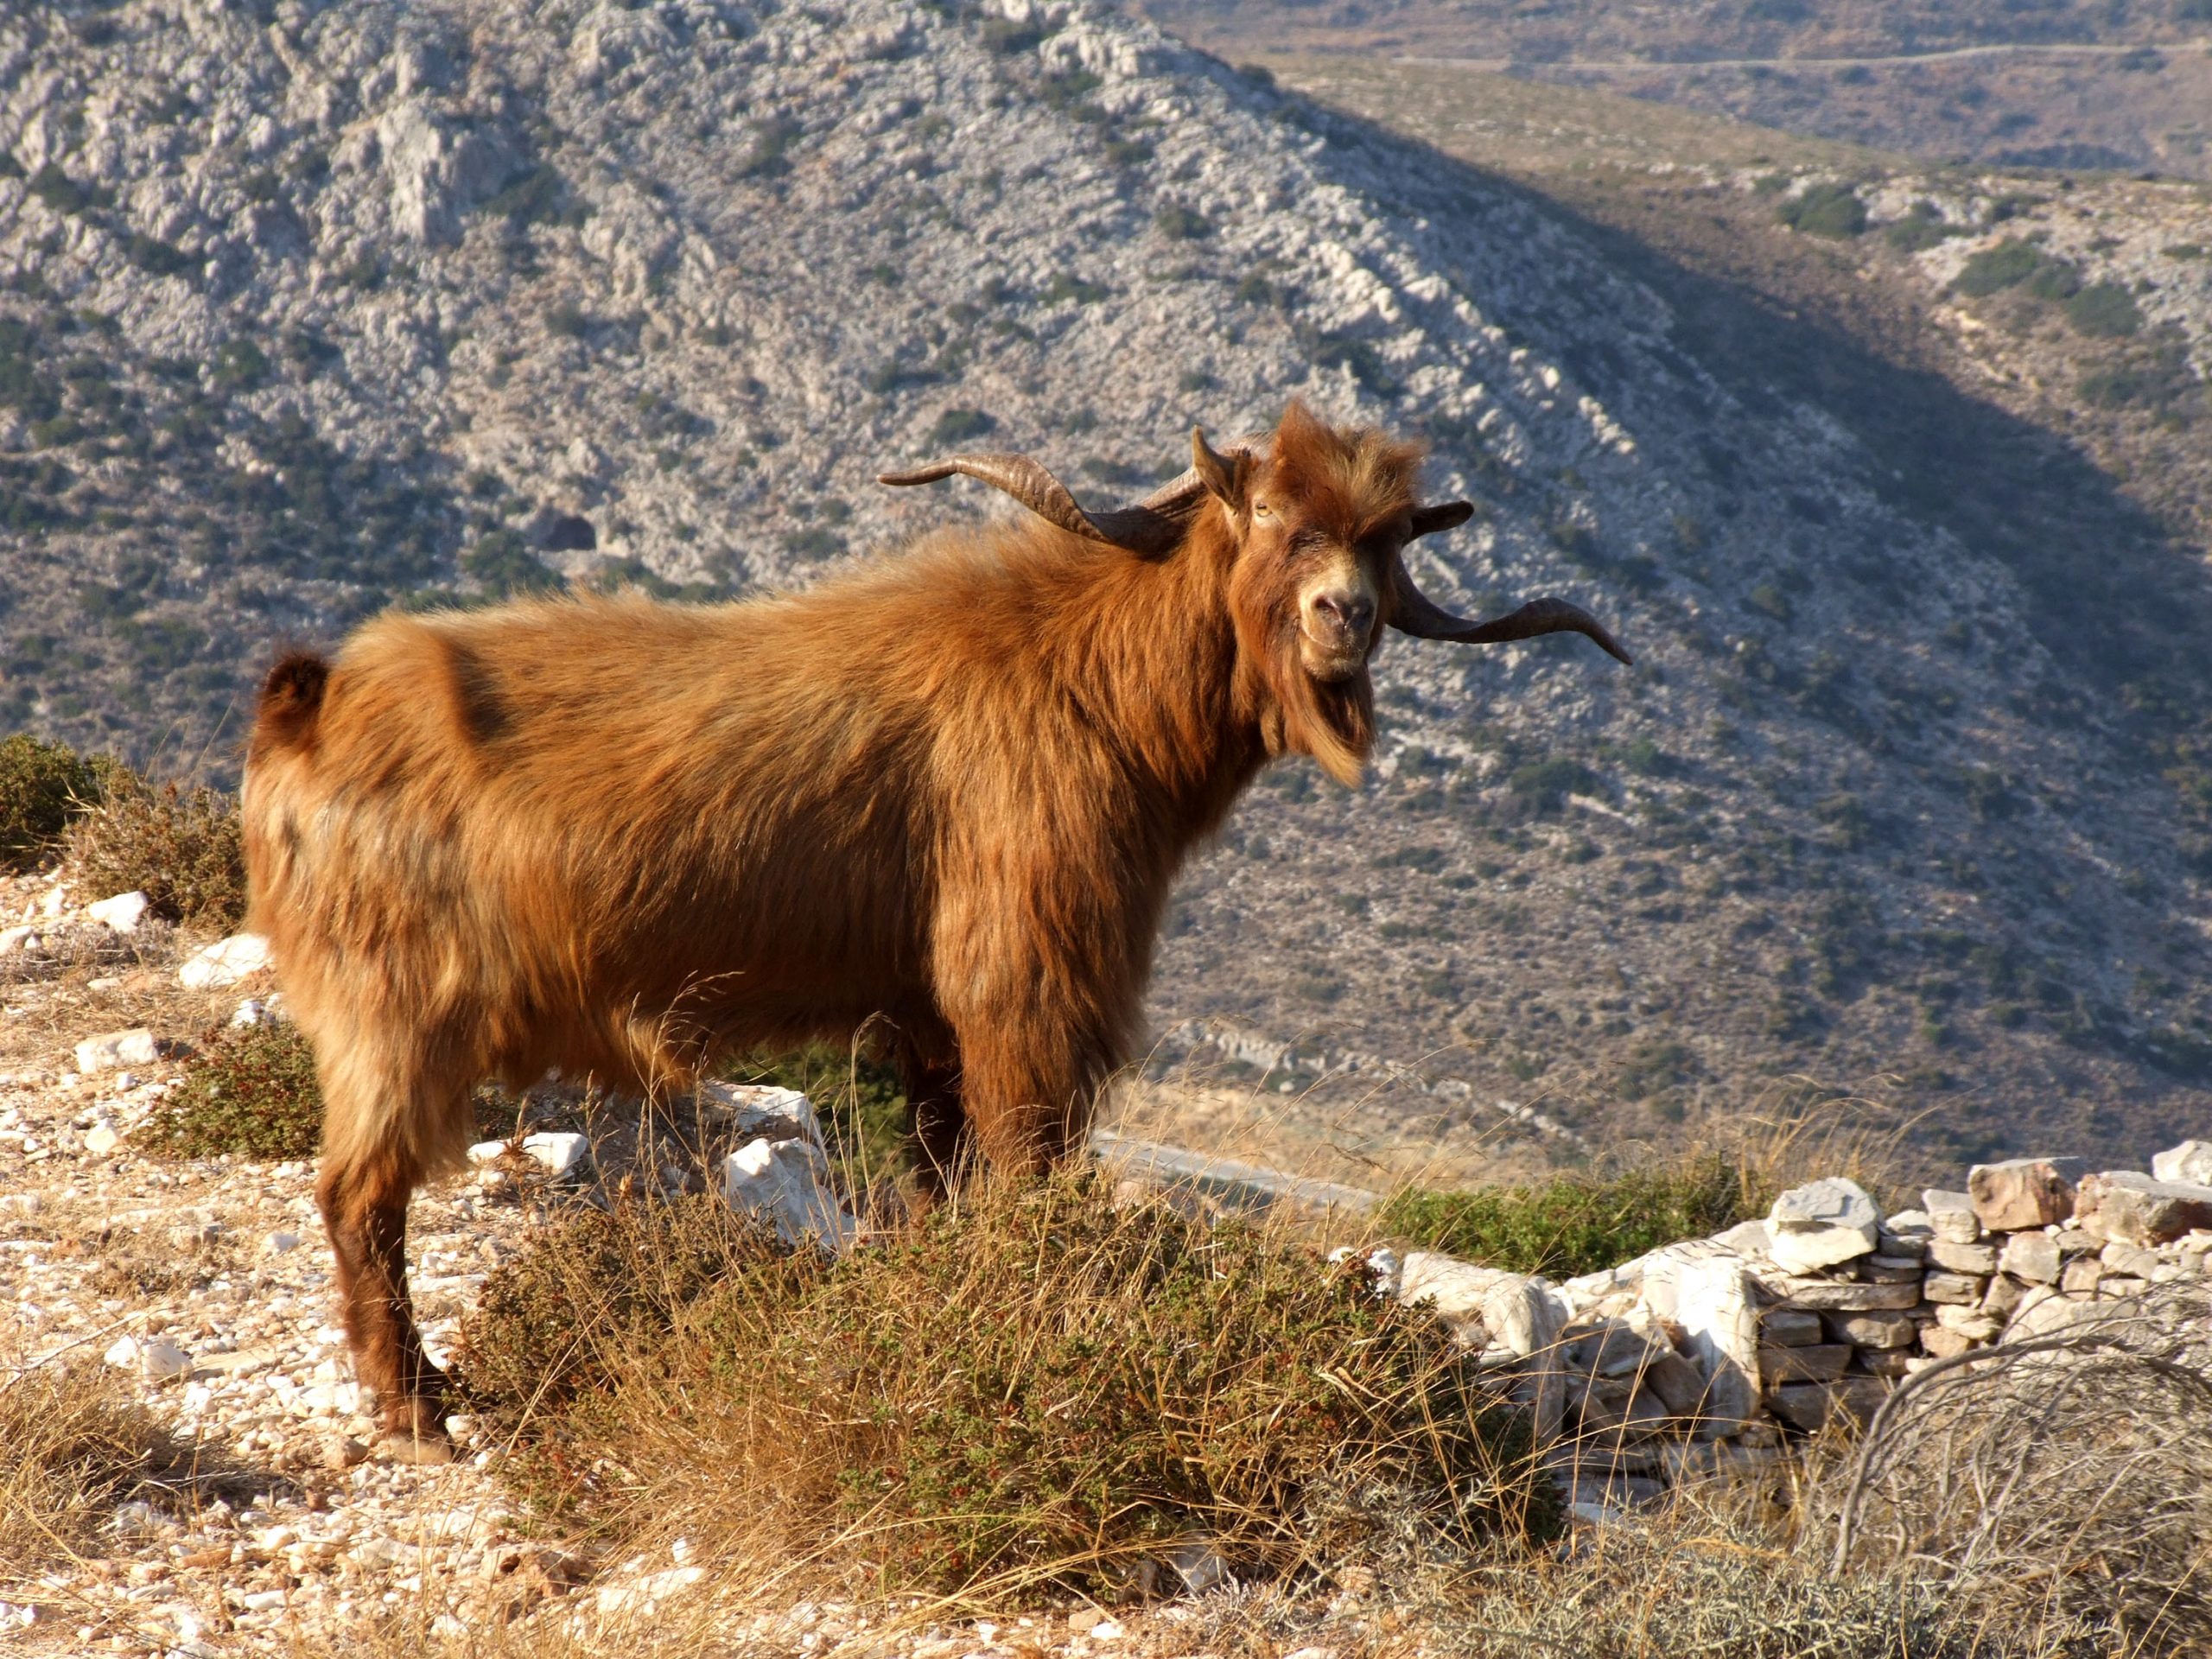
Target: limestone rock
{"type": "Point", "coordinates": [1812, 1406]}
{"type": "Point", "coordinates": [1963, 1258]}
{"type": "Point", "coordinates": [2031, 1256]}
{"type": "Point", "coordinates": [1961, 1288]}
{"type": "Point", "coordinates": [1716, 1304]}
{"type": "Point", "coordinates": [2023, 1192]}
{"type": "Point", "coordinates": [786, 1184]}
{"type": "Point", "coordinates": [2190, 1162]}
{"type": "Point", "coordinates": [1789, 1328]}
{"type": "Point", "coordinates": [1818, 1363]}
{"type": "Point", "coordinates": [1951, 1215]}
{"type": "Point", "coordinates": [761, 1111]}
{"type": "Point", "coordinates": [117, 1049]}
{"type": "Point", "coordinates": [1820, 1224]}
{"type": "Point", "coordinates": [2123, 1207]}
{"type": "Point", "coordinates": [1829, 1295]}
{"type": "Point", "coordinates": [1881, 1328]}
{"type": "Point", "coordinates": [226, 962]}
{"type": "Point", "coordinates": [122, 913]}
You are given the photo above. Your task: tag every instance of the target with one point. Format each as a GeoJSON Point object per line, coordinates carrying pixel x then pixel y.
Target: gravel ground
{"type": "Point", "coordinates": [204, 1287]}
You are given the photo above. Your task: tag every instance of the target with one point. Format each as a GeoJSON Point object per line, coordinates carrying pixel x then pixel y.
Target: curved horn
{"type": "Point", "coordinates": [1151, 527]}
{"type": "Point", "coordinates": [1414, 612]}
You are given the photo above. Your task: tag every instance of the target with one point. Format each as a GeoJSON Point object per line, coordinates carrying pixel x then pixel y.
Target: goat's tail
{"type": "Point", "coordinates": [291, 702]}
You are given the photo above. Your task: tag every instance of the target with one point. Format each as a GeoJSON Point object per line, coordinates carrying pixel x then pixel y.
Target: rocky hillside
{"type": "Point", "coordinates": [310, 310]}
{"type": "Point", "coordinates": [2042, 83]}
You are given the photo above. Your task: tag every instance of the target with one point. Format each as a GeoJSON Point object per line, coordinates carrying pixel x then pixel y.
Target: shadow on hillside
{"type": "Point", "coordinates": [2124, 610]}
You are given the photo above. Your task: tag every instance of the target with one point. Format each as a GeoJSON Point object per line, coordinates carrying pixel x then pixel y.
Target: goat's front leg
{"type": "Point", "coordinates": [365, 1210]}
{"type": "Point", "coordinates": [937, 1115]}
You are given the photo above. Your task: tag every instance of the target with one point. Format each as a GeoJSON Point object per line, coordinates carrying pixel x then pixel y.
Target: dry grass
{"type": "Point", "coordinates": [1034, 1390]}
{"type": "Point", "coordinates": [76, 1444]}
{"type": "Point", "coordinates": [181, 847]}
{"type": "Point", "coordinates": [2064, 1475]}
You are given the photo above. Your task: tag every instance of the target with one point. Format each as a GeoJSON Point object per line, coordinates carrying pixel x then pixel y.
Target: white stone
{"type": "Point", "coordinates": [1455, 1288]}
{"type": "Point", "coordinates": [2189, 1161]}
{"type": "Point", "coordinates": [254, 1011]}
{"type": "Point", "coordinates": [136, 1047]}
{"type": "Point", "coordinates": [156, 1360]}
{"type": "Point", "coordinates": [761, 1111]}
{"type": "Point", "coordinates": [102, 1139]}
{"type": "Point", "coordinates": [122, 913]}
{"type": "Point", "coordinates": [1820, 1224]}
{"type": "Point", "coordinates": [223, 964]}
{"type": "Point", "coordinates": [561, 1153]}
{"type": "Point", "coordinates": [281, 1244]}
{"type": "Point", "coordinates": [1951, 1215]}
{"type": "Point", "coordinates": [786, 1184]}
{"type": "Point", "coordinates": [645, 1593]}
{"type": "Point", "coordinates": [1716, 1303]}
{"type": "Point", "coordinates": [24, 938]}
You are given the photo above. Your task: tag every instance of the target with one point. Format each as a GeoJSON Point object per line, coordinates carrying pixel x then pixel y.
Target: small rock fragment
{"type": "Point", "coordinates": [224, 963]}
{"type": "Point", "coordinates": [2190, 1162]}
{"type": "Point", "coordinates": [1821, 1223]}
{"type": "Point", "coordinates": [114, 1049]}
{"type": "Point", "coordinates": [2022, 1192]}
{"type": "Point", "coordinates": [2121, 1206]}
{"type": "Point", "coordinates": [1951, 1215]}
{"type": "Point", "coordinates": [122, 913]}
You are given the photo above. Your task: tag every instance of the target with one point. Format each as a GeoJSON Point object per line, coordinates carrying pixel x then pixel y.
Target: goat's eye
{"type": "Point", "coordinates": [1262, 510]}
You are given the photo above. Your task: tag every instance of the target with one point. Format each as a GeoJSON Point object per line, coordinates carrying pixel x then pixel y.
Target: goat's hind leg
{"type": "Point", "coordinates": [378, 1144]}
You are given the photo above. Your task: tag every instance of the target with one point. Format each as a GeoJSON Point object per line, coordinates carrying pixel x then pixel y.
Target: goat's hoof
{"type": "Point", "coordinates": [418, 1445]}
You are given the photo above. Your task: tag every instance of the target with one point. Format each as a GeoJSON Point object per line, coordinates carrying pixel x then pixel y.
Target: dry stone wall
{"type": "Point", "coordinates": [1710, 1355]}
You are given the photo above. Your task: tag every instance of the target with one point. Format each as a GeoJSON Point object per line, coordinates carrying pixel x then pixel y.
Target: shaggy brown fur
{"type": "Point", "coordinates": [616, 837]}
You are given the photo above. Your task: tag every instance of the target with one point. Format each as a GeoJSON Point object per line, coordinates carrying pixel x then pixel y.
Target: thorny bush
{"type": "Point", "coordinates": [1031, 1388]}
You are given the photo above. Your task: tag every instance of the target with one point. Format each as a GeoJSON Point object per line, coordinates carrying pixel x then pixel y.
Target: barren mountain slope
{"type": "Point", "coordinates": [2048, 83]}
{"type": "Point", "coordinates": [311, 309]}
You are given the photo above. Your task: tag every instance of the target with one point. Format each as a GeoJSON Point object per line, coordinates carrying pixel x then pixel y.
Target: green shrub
{"type": "Point", "coordinates": [1921, 227]}
{"type": "Point", "coordinates": [250, 1093]}
{"type": "Point", "coordinates": [1541, 785]}
{"type": "Point", "coordinates": [1577, 1223]}
{"type": "Point", "coordinates": [2052, 279]}
{"type": "Point", "coordinates": [1830, 210]}
{"type": "Point", "coordinates": [1030, 1390]}
{"type": "Point", "coordinates": [2104, 311]}
{"type": "Point", "coordinates": [1180, 223]}
{"type": "Point", "coordinates": [180, 846]}
{"type": "Point", "coordinates": [161, 259]}
{"type": "Point", "coordinates": [2010, 263]}
{"type": "Point", "coordinates": [502, 561]}
{"type": "Point", "coordinates": [43, 786]}
{"type": "Point", "coordinates": [958, 425]}
{"type": "Point", "coordinates": [239, 365]}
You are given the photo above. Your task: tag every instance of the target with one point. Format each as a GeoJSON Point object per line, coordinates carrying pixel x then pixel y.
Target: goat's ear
{"type": "Point", "coordinates": [1445, 515]}
{"type": "Point", "coordinates": [1225, 476]}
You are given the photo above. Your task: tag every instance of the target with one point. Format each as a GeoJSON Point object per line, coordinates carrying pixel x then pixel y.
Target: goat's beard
{"type": "Point", "coordinates": [1332, 721]}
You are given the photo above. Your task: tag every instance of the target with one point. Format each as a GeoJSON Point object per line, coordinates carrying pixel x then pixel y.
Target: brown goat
{"type": "Point", "coordinates": [950, 791]}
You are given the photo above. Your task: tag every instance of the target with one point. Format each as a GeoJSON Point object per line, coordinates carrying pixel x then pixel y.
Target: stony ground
{"type": "Point", "coordinates": [204, 1285]}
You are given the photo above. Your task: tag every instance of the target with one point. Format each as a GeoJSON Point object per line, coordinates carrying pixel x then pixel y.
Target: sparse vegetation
{"type": "Point", "coordinates": [250, 1093]}
{"type": "Point", "coordinates": [1033, 1391]}
{"type": "Point", "coordinates": [179, 844]}
{"type": "Point", "coordinates": [76, 1444]}
{"type": "Point", "coordinates": [44, 788]}
{"type": "Point", "coordinates": [1829, 210]}
{"type": "Point", "coordinates": [1578, 1223]}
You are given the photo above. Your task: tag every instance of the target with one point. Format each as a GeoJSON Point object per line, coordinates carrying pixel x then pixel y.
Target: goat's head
{"type": "Point", "coordinates": [1318, 519]}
